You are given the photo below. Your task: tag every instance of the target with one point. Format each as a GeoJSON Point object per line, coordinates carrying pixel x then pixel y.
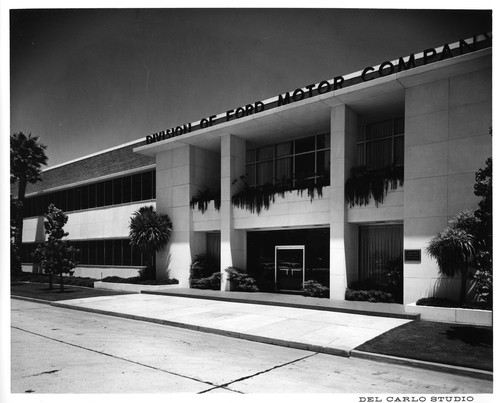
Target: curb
{"type": "Point", "coordinates": [408, 316]}
{"type": "Point", "coordinates": [227, 333]}
{"type": "Point", "coordinates": [29, 299]}
{"type": "Point", "coordinates": [410, 362]}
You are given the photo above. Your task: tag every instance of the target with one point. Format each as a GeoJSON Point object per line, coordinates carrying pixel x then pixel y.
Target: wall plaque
{"type": "Point", "coordinates": [413, 255]}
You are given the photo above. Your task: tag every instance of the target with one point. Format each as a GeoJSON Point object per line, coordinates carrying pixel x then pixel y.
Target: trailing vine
{"type": "Point", "coordinates": [203, 198]}
{"type": "Point", "coordinates": [256, 198]}
{"type": "Point", "coordinates": [364, 184]}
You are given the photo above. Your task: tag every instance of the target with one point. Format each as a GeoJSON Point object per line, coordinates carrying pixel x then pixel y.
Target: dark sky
{"type": "Point", "coordinates": [86, 80]}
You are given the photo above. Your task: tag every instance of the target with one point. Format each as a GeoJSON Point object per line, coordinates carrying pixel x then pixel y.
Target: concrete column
{"type": "Point", "coordinates": [343, 236]}
{"type": "Point", "coordinates": [446, 141]}
{"type": "Point", "coordinates": [233, 242]}
{"type": "Point", "coordinates": [176, 183]}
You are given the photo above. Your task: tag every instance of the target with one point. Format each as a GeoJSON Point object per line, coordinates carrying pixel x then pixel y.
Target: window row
{"type": "Point", "coordinates": [109, 252]}
{"type": "Point", "coordinates": [381, 144]}
{"type": "Point", "coordinates": [132, 188]}
{"type": "Point", "coordinates": [305, 160]}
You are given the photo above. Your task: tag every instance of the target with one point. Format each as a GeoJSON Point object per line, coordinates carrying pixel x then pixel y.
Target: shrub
{"type": "Point", "coordinates": [138, 280]}
{"type": "Point", "coordinates": [45, 278]}
{"type": "Point", "coordinates": [240, 280]}
{"type": "Point", "coordinates": [446, 303]}
{"type": "Point", "coordinates": [204, 273]}
{"type": "Point", "coordinates": [312, 288]}
{"type": "Point", "coordinates": [202, 267]}
{"type": "Point", "coordinates": [368, 295]}
{"type": "Point", "coordinates": [207, 283]}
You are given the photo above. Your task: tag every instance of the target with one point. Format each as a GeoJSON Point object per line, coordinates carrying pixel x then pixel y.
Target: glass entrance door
{"type": "Point", "coordinates": [289, 267]}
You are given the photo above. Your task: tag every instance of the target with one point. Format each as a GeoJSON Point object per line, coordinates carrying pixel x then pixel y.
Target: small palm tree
{"type": "Point", "coordinates": [453, 248]}
{"type": "Point", "coordinates": [149, 232]}
{"type": "Point", "coordinates": [27, 155]}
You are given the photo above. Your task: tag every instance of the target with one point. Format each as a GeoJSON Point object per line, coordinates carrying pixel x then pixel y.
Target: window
{"type": "Point", "coordinates": [380, 252]}
{"type": "Point", "coordinates": [381, 144]}
{"type": "Point", "coordinates": [136, 187]}
{"type": "Point", "coordinates": [126, 189]}
{"type": "Point", "coordinates": [111, 252]}
{"type": "Point", "coordinates": [92, 195]}
{"type": "Point", "coordinates": [99, 194]}
{"type": "Point", "coordinates": [302, 160]}
{"type": "Point", "coordinates": [85, 197]}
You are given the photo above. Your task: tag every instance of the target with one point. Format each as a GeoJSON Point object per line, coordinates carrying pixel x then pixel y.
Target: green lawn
{"type": "Point", "coordinates": [460, 345]}
{"type": "Point", "coordinates": [41, 291]}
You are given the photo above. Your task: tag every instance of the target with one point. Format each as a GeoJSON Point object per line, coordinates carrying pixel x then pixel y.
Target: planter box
{"type": "Point", "coordinates": [132, 287]}
{"type": "Point", "coordinates": [452, 315]}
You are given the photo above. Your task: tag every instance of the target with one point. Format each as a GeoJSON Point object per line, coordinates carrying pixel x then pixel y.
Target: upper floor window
{"type": "Point", "coordinates": [381, 144]}
{"type": "Point", "coordinates": [126, 189]}
{"type": "Point", "coordinates": [300, 161]}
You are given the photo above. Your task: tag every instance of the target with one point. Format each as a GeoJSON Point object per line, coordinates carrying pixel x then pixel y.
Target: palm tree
{"type": "Point", "coordinates": [453, 248]}
{"type": "Point", "coordinates": [149, 232]}
{"type": "Point", "coordinates": [27, 155]}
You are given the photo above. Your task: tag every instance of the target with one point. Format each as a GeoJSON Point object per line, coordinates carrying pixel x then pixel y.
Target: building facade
{"type": "Point", "coordinates": [339, 182]}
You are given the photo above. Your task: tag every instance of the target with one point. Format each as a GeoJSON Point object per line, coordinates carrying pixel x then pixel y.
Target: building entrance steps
{"type": "Point", "coordinates": [324, 331]}
{"type": "Point", "coordinates": [294, 301]}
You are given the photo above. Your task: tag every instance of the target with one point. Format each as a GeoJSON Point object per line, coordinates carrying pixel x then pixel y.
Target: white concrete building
{"type": "Point", "coordinates": [421, 123]}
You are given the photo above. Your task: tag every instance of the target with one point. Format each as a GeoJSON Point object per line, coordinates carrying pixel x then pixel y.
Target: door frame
{"type": "Point", "coordinates": [289, 247]}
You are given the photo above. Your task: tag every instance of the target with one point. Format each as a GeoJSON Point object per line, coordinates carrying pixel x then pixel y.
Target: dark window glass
{"type": "Point", "coordinates": [85, 197]}
{"type": "Point", "coordinates": [147, 185]}
{"type": "Point", "coordinates": [127, 253]}
{"type": "Point", "coordinates": [117, 191]}
{"type": "Point", "coordinates": [84, 252]}
{"type": "Point", "coordinates": [64, 200]}
{"type": "Point", "coordinates": [304, 145]}
{"type": "Point", "coordinates": [108, 193]}
{"type": "Point", "coordinates": [100, 194]}
{"type": "Point", "coordinates": [284, 169]}
{"type": "Point", "coordinates": [117, 252]}
{"type": "Point", "coordinates": [154, 184]}
{"type": "Point", "coordinates": [127, 189]}
{"type": "Point", "coordinates": [323, 164]}
{"type": "Point", "coordinates": [264, 172]}
{"type": "Point", "coordinates": [250, 156]}
{"type": "Point", "coordinates": [77, 198]}
{"type": "Point", "coordinates": [108, 252]}
{"type": "Point", "coordinates": [52, 199]}
{"type": "Point", "coordinates": [250, 174]}
{"type": "Point", "coordinates": [399, 150]}
{"type": "Point", "coordinates": [136, 257]}
{"type": "Point", "coordinates": [323, 141]}
{"type": "Point", "coordinates": [57, 200]}
{"type": "Point", "coordinates": [399, 126]}
{"type": "Point", "coordinates": [27, 208]}
{"type": "Point", "coordinates": [99, 252]}
{"type": "Point", "coordinates": [265, 153]}
{"type": "Point", "coordinates": [92, 252]}
{"type": "Point", "coordinates": [71, 199]}
{"type": "Point", "coordinates": [44, 205]}
{"type": "Point", "coordinates": [136, 187]}
{"type": "Point", "coordinates": [91, 195]}
{"type": "Point", "coordinates": [284, 149]}
{"type": "Point", "coordinates": [304, 166]}
{"type": "Point", "coordinates": [379, 130]}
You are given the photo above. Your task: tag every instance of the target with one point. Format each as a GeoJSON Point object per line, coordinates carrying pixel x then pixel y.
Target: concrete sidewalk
{"type": "Point", "coordinates": [321, 331]}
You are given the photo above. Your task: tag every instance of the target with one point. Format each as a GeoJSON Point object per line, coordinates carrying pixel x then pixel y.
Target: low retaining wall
{"type": "Point", "coordinates": [452, 315]}
{"type": "Point", "coordinates": [132, 287]}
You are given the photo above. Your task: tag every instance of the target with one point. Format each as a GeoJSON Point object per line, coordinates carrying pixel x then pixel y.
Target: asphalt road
{"type": "Point", "coordinates": [57, 350]}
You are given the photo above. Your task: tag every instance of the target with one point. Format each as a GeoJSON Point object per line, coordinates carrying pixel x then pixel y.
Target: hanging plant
{"type": "Point", "coordinates": [364, 184]}
{"type": "Point", "coordinates": [256, 198]}
{"type": "Point", "coordinates": [203, 198]}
